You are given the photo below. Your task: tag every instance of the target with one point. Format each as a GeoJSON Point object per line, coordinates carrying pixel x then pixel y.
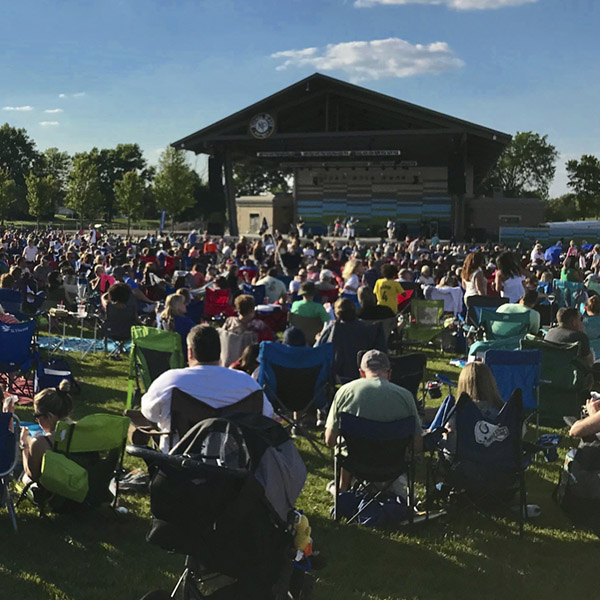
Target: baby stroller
{"type": "Point", "coordinates": [224, 497]}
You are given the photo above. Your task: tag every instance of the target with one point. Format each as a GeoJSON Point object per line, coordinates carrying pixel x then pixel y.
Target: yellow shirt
{"type": "Point", "coordinates": [387, 291]}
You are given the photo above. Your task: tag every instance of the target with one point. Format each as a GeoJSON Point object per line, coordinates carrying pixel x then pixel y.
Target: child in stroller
{"type": "Point", "coordinates": [224, 497]}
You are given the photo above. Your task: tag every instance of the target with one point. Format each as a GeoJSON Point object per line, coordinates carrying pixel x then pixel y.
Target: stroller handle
{"type": "Point", "coordinates": [181, 461]}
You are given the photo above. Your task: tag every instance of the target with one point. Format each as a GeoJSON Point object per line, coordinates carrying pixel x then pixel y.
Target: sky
{"type": "Point", "coordinates": [79, 74]}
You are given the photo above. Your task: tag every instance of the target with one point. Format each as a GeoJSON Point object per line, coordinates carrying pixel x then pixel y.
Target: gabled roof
{"type": "Point", "coordinates": [421, 118]}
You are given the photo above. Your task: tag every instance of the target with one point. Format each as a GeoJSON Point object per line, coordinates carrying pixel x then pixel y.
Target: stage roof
{"type": "Point", "coordinates": [321, 118]}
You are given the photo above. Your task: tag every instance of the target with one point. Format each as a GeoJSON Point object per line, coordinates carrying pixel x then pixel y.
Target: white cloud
{"type": "Point", "coordinates": [49, 123]}
{"type": "Point", "coordinates": [19, 108]}
{"type": "Point", "coordinates": [455, 4]}
{"type": "Point", "coordinates": [76, 95]}
{"type": "Point", "coordinates": [53, 110]}
{"type": "Point", "coordinates": [376, 59]}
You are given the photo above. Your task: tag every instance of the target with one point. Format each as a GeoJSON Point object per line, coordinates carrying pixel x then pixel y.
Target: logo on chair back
{"type": "Point", "coordinates": [488, 433]}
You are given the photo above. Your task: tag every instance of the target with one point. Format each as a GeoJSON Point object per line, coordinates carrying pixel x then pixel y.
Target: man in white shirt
{"type": "Point", "coordinates": [204, 379]}
{"type": "Point", "coordinates": [274, 288]}
{"type": "Point", "coordinates": [30, 252]}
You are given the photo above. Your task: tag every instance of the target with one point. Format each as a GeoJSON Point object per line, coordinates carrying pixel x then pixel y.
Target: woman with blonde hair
{"type": "Point", "coordinates": [351, 275]}
{"type": "Point", "coordinates": [173, 318]}
{"type": "Point", "coordinates": [477, 380]}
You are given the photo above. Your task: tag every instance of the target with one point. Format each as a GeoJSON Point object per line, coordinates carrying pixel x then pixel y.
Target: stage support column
{"type": "Point", "coordinates": [230, 196]}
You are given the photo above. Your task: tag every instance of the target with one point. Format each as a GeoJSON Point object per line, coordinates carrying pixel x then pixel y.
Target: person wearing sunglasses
{"type": "Point", "coordinates": [50, 406]}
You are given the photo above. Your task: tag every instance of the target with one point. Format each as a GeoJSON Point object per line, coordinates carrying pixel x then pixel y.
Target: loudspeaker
{"type": "Point", "coordinates": [215, 176]}
{"type": "Point", "coordinates": [215, 228]}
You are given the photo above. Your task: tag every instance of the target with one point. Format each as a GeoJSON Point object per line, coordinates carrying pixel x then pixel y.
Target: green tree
{"type": "Point", "coordinates": [58, 164]}
{"type": "Point", "coordinates": [525, 168]}
{"type": "Point", "coordinates": [42, 194]}
{"type": "Point", "coordinates": [129, 192]}
{"type": "Point", "coordinates": [83, 190]}
{"type": "Point", "coordinates": [562, 208]}
{"type": "Point", "coordinates": [112, 164]}
{"type": "Point", "coordinates": [173, 183]}
{"type": "Point", "coordinates": [584, 181]}
{"type": "Point", "coordinates": [8, 193]}
{"type": "Point", "coordinates": [252, 179]}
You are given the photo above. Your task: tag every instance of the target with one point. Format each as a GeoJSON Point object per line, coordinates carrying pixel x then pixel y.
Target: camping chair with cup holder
{"type": "Point", "coordinates": [310, 326]}
{"type": "Point", "coordinates": [425, 323]}
{"type": "Point", "coordinates": [501, 331]}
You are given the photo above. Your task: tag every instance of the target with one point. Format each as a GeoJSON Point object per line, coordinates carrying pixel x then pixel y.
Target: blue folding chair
{"type": "Point", "coordinates": [374, 452]}
{"type": "Point", "coordinates": [488, 463]}
{"type": "Point", "coordinates": [514, 369]}
{"type": "Point", "coordinates": [569, 293]}
{"type": "Point", "coordinates": [18, 356]}
{"type": "Point", "coordinates": [258, 292]}
{"type": "Point", "coordinates": [296, 379]}
{"type": "Point", "coordinates": [12, 302]}
{"type": "Point", "coordinates": [10, 431]}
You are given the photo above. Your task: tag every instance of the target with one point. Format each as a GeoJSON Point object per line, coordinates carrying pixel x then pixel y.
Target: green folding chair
{"type": "Point", "coordinates": [153, 351]}
{"type": "Point", "coordinates": [502, 331]}
{"type": "Point", "coordinates": [85, 460]}
{"type": "Point", "coordinates": [426, 321]}
{"type": "Point", "coordinates": [565, 381]}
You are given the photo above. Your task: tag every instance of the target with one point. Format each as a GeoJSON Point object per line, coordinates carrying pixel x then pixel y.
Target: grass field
{"type": "Point", "coordinates": [98, 555]}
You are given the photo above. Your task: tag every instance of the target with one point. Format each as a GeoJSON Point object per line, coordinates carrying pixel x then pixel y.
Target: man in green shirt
{"type": "Point", "coordinates": [372, 397]}
{"type": "Point", "coordinates": [308, 307]}
{"type": "Point", "coordinates": [525, 305]}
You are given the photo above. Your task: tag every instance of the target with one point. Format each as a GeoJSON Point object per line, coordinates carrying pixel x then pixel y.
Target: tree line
{"type": "Point", "coordinates": [101, 183]}
{"type": "Point", "coordinates": [527, 167]}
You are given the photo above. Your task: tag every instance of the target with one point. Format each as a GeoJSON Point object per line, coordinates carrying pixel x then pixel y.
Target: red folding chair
{"type": "Point", "coordinates": [328, 295]}
{"type": "Point", "coordinates": [404, 300]}
{"type": "Point", "coordinates": [217, 303]}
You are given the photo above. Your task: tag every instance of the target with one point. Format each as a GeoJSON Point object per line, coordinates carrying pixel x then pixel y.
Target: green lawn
{"type": "Point", "coordinates": [98, 555]}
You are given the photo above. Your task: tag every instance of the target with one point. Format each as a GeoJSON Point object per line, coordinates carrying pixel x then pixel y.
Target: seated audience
{"type": "Point", "coordinates": [372, 397]}
{"type": "Point", "coordinates": [246, 319]}
{"type": "Point", "coordinates": [526, 304]}
{"type": "Point", "coordinates": [307, 307]}
{"type": "Point", "coordinates": [369, 309]}
{"type": "Point", "coordinates": [174, 318]}
{"type": "Point", "coordinates": [50, 406]}
{"type": "Point", "coordinates": [570, 330]}
{"type": "Point", "coordinates": [204, 379]}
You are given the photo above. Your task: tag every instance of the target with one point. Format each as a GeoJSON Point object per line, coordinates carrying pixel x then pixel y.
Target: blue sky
{"type": "Point", "coordinates": [153, 71]}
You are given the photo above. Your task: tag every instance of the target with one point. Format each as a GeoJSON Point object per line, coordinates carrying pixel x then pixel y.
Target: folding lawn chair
{"type": "Point", "coordinates": [258, 292]}
{"type": "Point", "coordinates": [329, 295]}
{"type": "Point", "coordinates": [565, 381]}
{"type": "Point", "coordinates": [488, 464]}
{"type": "Point", "coordinates": [296, 380]}
{"type": "Point", "coordinates": [569, 293]}
{"type": "Point", "coordinates": [388, 326]}
{"type": "Point", "coordinates": [502, 331]}
{"type": "Point", "coordinates": [18, 357]}
{"type": "Point", "coordinates": [517, 369]}
{"type": "Point", "coordinates": [404, 300]}
{"type": "Point", "coordinates": [348, 339]}
{"type": "Point", "coordinates": [374, 452]}
{"type": "Point", "coordinates": [117, 327]}
{"type": "Point", "coordinates": [85, 459]}
{"type": "Point", "coordinates": [426, 316]}
{"type": "Point", "coordinates": [233, 344]}
{"type": "Point", "coordinates": [10, 431]}
{"type": "Point", "coordinates": [474, 305]}
{"type": "Point", "coordinates": [592, 286]}
{"type": "Point", "coordinates": [187, 411]}
{"type": "Point", "coordinates": [592, 330]}
{"type": "Point", "coordinates": [408, 371]}
{"type": "Point", "coordinates": [216, 302]}
{"type": "Point", "coordinates": [153, 351]}
{"type": "Point", "coordinates": [310, 326]}
{"type": "Point", "coordinates": [12, 302]}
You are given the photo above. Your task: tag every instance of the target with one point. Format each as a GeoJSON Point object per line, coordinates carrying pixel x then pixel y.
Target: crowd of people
{"type": "Point", "coordinates": [165, 281]}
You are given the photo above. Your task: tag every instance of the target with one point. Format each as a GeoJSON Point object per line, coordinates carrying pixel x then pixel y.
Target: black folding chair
{"type": "Point", "coordinates": [375, 452]}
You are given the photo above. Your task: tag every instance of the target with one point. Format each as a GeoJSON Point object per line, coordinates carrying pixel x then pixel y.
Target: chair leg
{"type": "Point", "coordinates": [10, 507]}
{"type": "Point", "coordinates": [336, 486]}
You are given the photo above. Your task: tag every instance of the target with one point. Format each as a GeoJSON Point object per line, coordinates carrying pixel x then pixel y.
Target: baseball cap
{"type": "Point", "coordinates": [374, 360]}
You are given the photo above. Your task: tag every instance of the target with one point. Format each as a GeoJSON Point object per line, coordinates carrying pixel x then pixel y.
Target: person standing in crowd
{"type": "Point", "coordinates": [509, 277]}
{"type": "Point", "coordinates": [472, 277]}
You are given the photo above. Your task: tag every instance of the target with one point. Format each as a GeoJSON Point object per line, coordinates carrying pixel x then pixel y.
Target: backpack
{"type": "Point", "coordinates": [578, 489]}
